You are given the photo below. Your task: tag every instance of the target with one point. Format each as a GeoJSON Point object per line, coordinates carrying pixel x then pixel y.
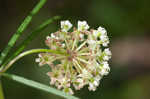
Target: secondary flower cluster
{"type": "Point", "coordinates": [80, 59]}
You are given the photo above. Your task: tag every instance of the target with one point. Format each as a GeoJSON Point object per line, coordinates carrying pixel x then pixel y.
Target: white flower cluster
{"type": "Point", "coordinates": [81, 60]}
{"type": "Point", "coordinates": [102, 34]}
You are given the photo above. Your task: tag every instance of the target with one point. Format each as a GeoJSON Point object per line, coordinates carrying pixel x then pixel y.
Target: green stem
{"type": "Point", "coordinates": [1, 91]}
{"type": "Point", "coordinates": [4, 68]}
{"type": "Point", "coordinates": [20, 29]}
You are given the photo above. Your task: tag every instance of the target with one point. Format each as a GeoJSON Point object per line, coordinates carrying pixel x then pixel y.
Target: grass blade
{"type": "Point", "coordinates": [38, 86]}
{"type": "Point", "coordinates": [32, 35]}
{"type": "Point", "coordinates": [20, 29]}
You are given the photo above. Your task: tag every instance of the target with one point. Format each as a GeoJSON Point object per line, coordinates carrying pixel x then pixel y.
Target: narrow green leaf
{"type": "Point", "coordinates": [38, 86]}
{"type": "Point", "coordinates": [1, 91]}
{"type": "Point", "coordinates": [20, 29]}
{"type": "Point", "coordinates": [32, 36]}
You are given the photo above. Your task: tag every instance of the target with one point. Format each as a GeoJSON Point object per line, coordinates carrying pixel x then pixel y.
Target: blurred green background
{"type": "Point", "coordinates": [128, 26]}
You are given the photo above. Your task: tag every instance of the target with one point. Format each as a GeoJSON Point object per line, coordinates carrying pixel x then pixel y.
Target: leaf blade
{"type": "Point", "coordinates": [20, 29]}
{"type": "Point", "coordinates": [38, 85]}
{"type": "Point", "coordinates": [32, 35]}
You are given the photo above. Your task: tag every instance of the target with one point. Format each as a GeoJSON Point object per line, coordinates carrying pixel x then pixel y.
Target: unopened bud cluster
{"type": "Point", "coordinates": [84, 62]}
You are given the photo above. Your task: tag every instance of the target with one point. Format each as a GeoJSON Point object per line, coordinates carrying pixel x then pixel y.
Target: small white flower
{"type": "Point", "coordinates": [105, 44]}
{"type": "Point", "coordinates": [38, 60]}
{"type": "Point", "coordinates": [106, 58]}
{"type": "Point", "coordinates": [96, 83]}
{"type": "Point", "coordinates": [57, 38]}
{"type": "Point", "coordinates": [63, 45]}
{"type": "Point", "coordinates": [106, 65]}
{"type": "Point", "coordinates": [102, 34]}
{"type": "Point", "coordinates": [104, 39]}
{"type": "Point", "coordinates": [92, 87]}
{"type": "Point", "coordinates": [52, 35]}
{"type": "Point", "coordinates": [97, 78]}
{"type": "Point", "coordinates": [65, 25]}
{"type": "Point", "coordinates": [104, 72]}
{"type": "Point", "coordinates": [107, 54]}
{"type": "Point", "coordinates": [92, 44]}
{"type": "Point", "coordinates": [82, 25]}
{"type": "Point", "coordinates": [40, 56]}
{"type": "Point", "coordinates": [105, 68]}
{"type": "Point", "coordinates": [102, 31]}
{"type": "Point", "coordinates": [107, 51]}
{"type": "Point", "coordinates": [48, 37]}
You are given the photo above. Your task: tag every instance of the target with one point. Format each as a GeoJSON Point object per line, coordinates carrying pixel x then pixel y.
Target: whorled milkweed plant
{"type": "Point", "coordinates": [80, 59]}
{"type": "Point", "coordinates": [78, 56]}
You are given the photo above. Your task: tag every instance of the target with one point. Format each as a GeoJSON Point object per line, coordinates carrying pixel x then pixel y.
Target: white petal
{"type": "Point", "coordinates": [96, 83]}
{"type": "Point", "coordinates": [48, 37]}
{"type": "Point", "coordinates": [91, 87]}
{"type": "Point", "coordinates": [52, 35]}
{"type": "Point", "coordinates": [37, 60]}
{"type": "Point", "coordinates": [107, 51]}
{"type": "Point", "coordinates": [82, 25]}
{"type": "Point", "coordinates": [63, 45]}
{"type": "Point", "coordinates": [104, 72]}
{"type": "Point", "coordinates": [106, 58]}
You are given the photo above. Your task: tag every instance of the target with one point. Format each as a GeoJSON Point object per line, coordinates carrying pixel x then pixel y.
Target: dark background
{"type": "Point", "coordinates": [128, 26]}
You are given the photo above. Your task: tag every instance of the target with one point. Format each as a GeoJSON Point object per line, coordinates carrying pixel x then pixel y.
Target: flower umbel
{"type": "Point", "coordinates": [83, 61]}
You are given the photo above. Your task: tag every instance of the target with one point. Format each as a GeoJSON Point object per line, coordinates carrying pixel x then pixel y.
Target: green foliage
{"type": "Point", "coordinates": [32, 35]}
{"type": "Point", "coordinates": [38, 85]}
{"type": "Point", "coordinates": [20, 30]}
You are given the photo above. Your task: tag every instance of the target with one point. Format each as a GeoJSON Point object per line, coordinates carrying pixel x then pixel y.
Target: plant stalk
{"type": "Point", "coordinates": [4, 68]}
{"type": "Point", "coordinates": [1, 90]}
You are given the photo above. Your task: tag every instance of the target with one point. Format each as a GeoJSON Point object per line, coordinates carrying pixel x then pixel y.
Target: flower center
{"type": "Point", "coordinates": [72, 54]}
